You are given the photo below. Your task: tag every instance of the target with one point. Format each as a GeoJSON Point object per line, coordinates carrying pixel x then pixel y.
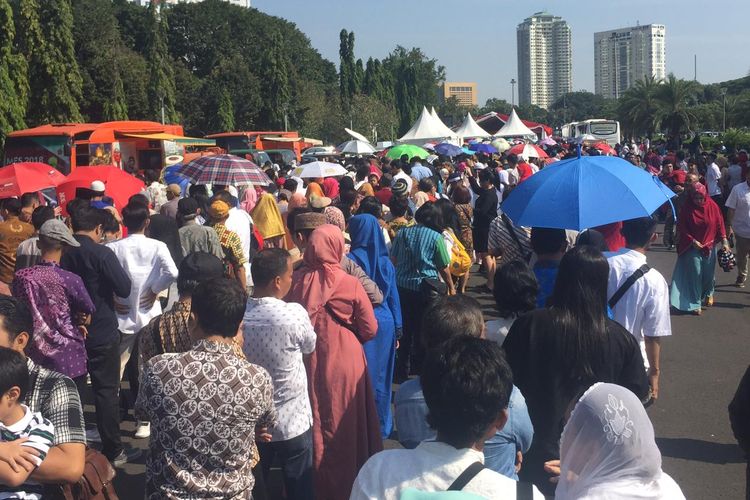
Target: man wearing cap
{"type": "Point", "coordinates": [195, 237]}
{"type": "Point", "coordinates": [234, 255]}
{"type": "Point", "coordinates": [59, 303]}
{"type": "Point", "coordinates": [169, 209]}
{"type": "Point", "coordinates": [97, 189]}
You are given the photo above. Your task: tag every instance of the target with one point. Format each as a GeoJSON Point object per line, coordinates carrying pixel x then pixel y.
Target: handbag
{"type": "Point", "coordinates": [433, 288]}
{"type": "Point", "coordinates": [94, 484]}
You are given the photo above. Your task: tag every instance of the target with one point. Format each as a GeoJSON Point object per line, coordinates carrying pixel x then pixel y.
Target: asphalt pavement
{"type": "Point", "coordinates": [702, 364]}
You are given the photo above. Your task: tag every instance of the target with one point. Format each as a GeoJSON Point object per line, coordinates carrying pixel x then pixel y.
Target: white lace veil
{"type": "Point", "coordinates": [607, 449]}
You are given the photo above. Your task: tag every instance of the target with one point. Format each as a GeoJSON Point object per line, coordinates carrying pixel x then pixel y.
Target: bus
{"type": "Point", "coordinates": [600, 129]}
{"type": "Point", "coordinates": [264, 140]}
{"type": "Point", "coordinates": [130, 145]}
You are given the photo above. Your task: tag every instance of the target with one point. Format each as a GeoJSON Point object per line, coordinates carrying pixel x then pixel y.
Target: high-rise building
{"type": "Point", "coordinates": [626, 55]}
{"type": "Point", "coordinates": [464, 92]}
{"type": "Point", "coordinates": [241, 3]}
{"type": "Point", "coordinates": [545, 53]}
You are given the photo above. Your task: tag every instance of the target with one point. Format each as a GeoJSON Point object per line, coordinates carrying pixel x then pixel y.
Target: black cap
{"type": "Point", "coordinates": [201, 266]}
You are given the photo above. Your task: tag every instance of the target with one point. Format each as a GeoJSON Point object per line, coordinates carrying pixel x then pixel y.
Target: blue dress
{"type": "Point", "coordinates": [369, 251]}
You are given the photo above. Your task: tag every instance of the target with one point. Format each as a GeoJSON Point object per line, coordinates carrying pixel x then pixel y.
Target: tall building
{"type": "Point", "coordinates": [464, 92]}
{"type": "Point", "coordinates": [241, 3]}
{"type": "Point", "coordinates": [626, 55]}
{"type": "Point", "coordinates": [545, 54]}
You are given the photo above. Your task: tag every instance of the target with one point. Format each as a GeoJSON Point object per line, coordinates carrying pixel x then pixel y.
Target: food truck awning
{"type": "Point", "coordinates": [314, 142]}
{"type": "Point", "coordinates": [186, 141]}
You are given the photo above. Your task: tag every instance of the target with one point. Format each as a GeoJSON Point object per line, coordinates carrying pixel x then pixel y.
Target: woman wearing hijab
{"type": "Point", "coordinates": [268, 221]}
{"type": "Point", "coordinates": [331, 188]}
{"type": "Point", "coordinates": [558, 351]}
{"type": "Point", "coordinates": [345, 421]}
{"type": "Point", "coordinates": [608, 450]}
{"type": "Point", "coordinates": [249, 200]}
{"type": "Point", "coordinates": [701, 227]}
{"type": "Point", "coordinates": [369, 250]}
{"type": "Point", "coordinates": [314, 189]}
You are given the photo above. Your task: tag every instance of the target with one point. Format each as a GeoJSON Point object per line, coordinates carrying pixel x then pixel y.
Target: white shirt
{"type": "Point", "coordinates": [431, 466]}
{"type": "Point", "coordinates": [150, 266]}
{"type": "Point", "coordinates": [713, 174]}
{"type": "Point", "coordinates": [276, 335]}
{"type": "Point", "coordinates": [739, 201]}
{"type": "Point", "coordinates": [644, 309]}
{"type": "Point", "coordinates": [240, 222]}
{"type": "Point", "coordinates": [402, 175]}
{"type": "Point", "coordinates": [497, 329]}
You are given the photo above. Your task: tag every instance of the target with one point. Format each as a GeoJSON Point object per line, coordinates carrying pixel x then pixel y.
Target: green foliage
{"type": "Point", "coordinates": [377, 82]}
{"type": "Point", "coordinates": [736, 139]}
{"type": "Point", "coordinates": [577, 106]}
{"type": "Point", "coordinates": [497, 105]}
{"type": "Point", "coordinates": [673, 98]}
{"type": "Point", "coordinates": [13, 76]}
{"type": "Point", "coordinates": [231, 88]}
{"type": "Point", "coordinates": [452, 113]}
{"type": "Point", "coordinates": [638, 107]}
{"type": "Point", "coordinates": [277, 92]}
{"type": "Point", "coordinates": [225, 111]}
{"type": "Point", "coordinates": [161, 86]}
{"type": "Point", "coordinates": [349, 78]}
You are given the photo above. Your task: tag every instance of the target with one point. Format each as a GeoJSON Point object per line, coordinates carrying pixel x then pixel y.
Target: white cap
{"type": "Point", "coordinates": [97, 187]}
{"type": "Point", "coordinates": [233, 191]}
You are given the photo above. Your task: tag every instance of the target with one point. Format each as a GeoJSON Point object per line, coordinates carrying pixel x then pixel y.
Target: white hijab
{"type": "Point", "coordinates": [608, 450]}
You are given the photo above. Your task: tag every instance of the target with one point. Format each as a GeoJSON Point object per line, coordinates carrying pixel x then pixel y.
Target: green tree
{"type": "Point", "coordinates": [161, 86]}
{"type": "Point", "coordinates": [376, 82]}
{"type": "Point", "coordinates": [638, 107]}
{"type": "Point", "coordinates": [348, 77]}
{"type": "Point", "coordinates": [225, 112]}
{"type": "Point", "coordinates": [231, 85]}
{"type": "Point", "coordinates": [673, 99]}
{"type": "Point", "coordinates": [453, 113]}
{"type": "Point", "coordinates": [134, 75]}
{"type": "Point", "coordinates": [372, 117]}
{"type": "Point", "coordinates": [276, 91]}
{"type": "Point", "coordinates": [13, 77]}
{"type": "Point", "coordinates": [497, 105]}
{"type": "Point", "coordinates": [577, 106]}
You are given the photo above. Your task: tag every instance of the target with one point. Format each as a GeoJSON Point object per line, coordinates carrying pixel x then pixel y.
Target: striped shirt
{"type": "Point", "coordinates": [419, 253]}
{"type": "Point", "coordinates": [40, 433]}
{"type": "Point", "coordinates": [500, 241]}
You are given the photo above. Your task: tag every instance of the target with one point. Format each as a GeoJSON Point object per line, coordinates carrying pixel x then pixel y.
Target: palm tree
{"type": "Point", "coordinates": [673, 98]}
{"type": "Point", "coordinates": [638, 108]}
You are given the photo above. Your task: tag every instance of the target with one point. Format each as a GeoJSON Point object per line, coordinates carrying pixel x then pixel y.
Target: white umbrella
{"type": "Point", "coordinates": [356, 147]}
{"type": "Point", "coordinates": [318, 169]}
{"type": "Point", "coordinates": [501, 144]}
{"type": "Point", "coordinates": [356, 135]}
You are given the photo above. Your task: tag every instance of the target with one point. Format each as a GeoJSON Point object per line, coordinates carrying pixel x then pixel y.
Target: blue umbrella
{"type": "Point", "coordinates": [172, 176]}
{"type": "Point", "coordinates": [467, 151]}
{"type": "Point", "coordinates": [586, 192]}
{"type": "Point", "coordinates": [483, 148]}
{"type": "Point", "coordinates": [448, 149]}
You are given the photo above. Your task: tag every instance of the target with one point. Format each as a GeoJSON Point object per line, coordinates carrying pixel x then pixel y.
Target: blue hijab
{"type": "Point", "coordinates": [368, 249]}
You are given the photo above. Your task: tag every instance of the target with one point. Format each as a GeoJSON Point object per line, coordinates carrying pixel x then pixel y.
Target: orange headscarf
{"type": "Point", "coordinates": [314, 189]}
{"type": "Point", "coordinates": [366, 190]}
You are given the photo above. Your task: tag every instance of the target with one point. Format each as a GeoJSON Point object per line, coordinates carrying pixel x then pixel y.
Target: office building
{"type": "Point", "coordinates": [464, 92]}
{"type": "Point", "coordinates": [626, 55]}
{"type": "Point", "coordinates": [545, 56]}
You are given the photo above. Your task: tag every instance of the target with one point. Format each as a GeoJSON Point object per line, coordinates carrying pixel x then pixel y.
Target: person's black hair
{"type": "Point", "coordinates": [13, 206]}
{"type": "Point", "coordinates": [593, 238]}
{"type": "Point", "coordinates": [450, 316]}
{"type": "Point", "coordinates": [187, 209]}
{"type": "Point", "coordinates": [362, 172]}
{"type": "Point", "coordinates": [109, 222]}
{"type": "Point", "coordinates": [75, 204]}
{"type": "Point", "coordinates": [224, 196]}
{"type": "Point", "coordinates": [29, 199]}
{"type": "Point", "coordinates": [547, 240]}
{"type": "Point", "coordinates": [513, 159]}
{"type": "Point", "coordinates": [268, 264]}
{"type": "Point", "coordinates": [290, 185]}
{"type": "Point", "coordinates": [467, 384]}
{"type": "Point", "coordinates": [42, 214]}
{"type": "Point", "coordinates": [399, 206]}
{"type": "Point", "coordinates": [395, 165]}
{"type": "Point", "coordinates": [139, 198]}
{"type": "Point", "coordinates": [406, 167]}
{"type": "Point", "coordinates": [371, 205]}
{"type": "Point", "coordinates": [219, 305]}
{"type": "Point", "coordinates": [638, 232]}
{"type": "Point", "coordinates": [429, 215]}
{"type": "Point", "coordinates": [164, 229]}
{"type": "Point", "coordinates": [404, 159]}
{"type": "Point", "coordinates": [385, 180]}
{"type": "Point", "coordinates": [450, 217]}
{"type": "Point", "coordinates": [415, 159]}
{"type": "Point", "coordinates": [151, 175]}
{"type": "Point", "coordinates": [579, 310]}
{"type": "Point", "coordinates": [15, 316]}
{"type": "Point", "coordinates": [134, 216]}
{"type": "Point", "coordinates": [515, 290]}
{"type": "Point", "coordinates": [346, 184]}
{"type": "Point", "coordinates": [486, 176]}
{"type": "Point", "coordinates": [14, 372]}
{"type": "Point", "coordinates": [425, 184]}
{"type": "Point", "coordinates": [85, 218]}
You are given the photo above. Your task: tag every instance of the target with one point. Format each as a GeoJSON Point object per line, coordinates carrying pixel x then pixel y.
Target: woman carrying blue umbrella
{"type": "Point", "coordinates": [369, 251]}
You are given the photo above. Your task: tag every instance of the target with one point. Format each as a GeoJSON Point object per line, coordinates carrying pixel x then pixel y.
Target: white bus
{"type": "Point", "coordinates": [605, 130]}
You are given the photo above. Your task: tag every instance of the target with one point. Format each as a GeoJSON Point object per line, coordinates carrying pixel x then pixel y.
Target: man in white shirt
{"type": "Point", "coordinates": [738, 218]}
{"type": "Point", "coordinates": [713, 175]}
{"type": "Point", "coordinates": [400, 174]}
{"type": "Point", "coordinates": [644, 308]}
{"type": "Point", "coordinates": [464, 372]}
{"type": "Point", "coordinates": [239, 222]}
{"type": "Point", "coordinates": [276, 336]}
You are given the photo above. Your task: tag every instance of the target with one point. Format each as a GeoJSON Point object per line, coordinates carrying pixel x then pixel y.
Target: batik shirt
{"type": "Point", "coordinates": [53, 296]}
{"type": "Point", "coordinates": [203, 406]}
{"type": "Point", "coordinates": [234, 256]}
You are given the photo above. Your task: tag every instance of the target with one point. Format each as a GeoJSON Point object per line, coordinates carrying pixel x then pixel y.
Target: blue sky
{"type": "Point", "coordinates": [476, 39]}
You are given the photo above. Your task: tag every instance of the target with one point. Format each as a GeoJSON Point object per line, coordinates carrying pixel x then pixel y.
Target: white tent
{"type": "Point", "coordinates": [514, 127]}
{"type": "Point", "coordinates": [441, 124]}
{"type": "Point", "coordinates": [427, 127]}
{"type": "Point", "coordinates": [469, 128]}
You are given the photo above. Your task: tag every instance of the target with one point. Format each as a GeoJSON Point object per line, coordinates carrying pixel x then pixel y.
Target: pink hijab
{"type": "Point", "coordinates": [250, 199]}
{"type": "Point", "coordinates": [317, 281]}
{"type": "Point", "coordinates": [331, 187]}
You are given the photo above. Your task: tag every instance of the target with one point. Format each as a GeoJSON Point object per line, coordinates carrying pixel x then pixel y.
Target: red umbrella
{"type": "Point", "coordinates": [119, 184]}
{"type": "Point", "coordinates": [605, 148]}
{"type": "Point", "coordinates": [528, 151]}
{"type": "Point", "coordinates": [19, 178]}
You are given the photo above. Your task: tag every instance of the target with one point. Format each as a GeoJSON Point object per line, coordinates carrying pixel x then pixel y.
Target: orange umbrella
{"type": "Point", "coordinates": [19, 178]}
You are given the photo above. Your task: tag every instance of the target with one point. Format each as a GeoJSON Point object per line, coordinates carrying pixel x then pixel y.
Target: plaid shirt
{"type": "Point", "coordinates": [55, 396]}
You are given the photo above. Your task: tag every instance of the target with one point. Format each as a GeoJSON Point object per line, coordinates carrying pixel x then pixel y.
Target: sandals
{"type": "Point", "coordinates": [710, 301]}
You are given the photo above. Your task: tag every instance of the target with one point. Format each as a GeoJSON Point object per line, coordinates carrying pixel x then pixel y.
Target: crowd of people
{"type": "Point", "coordinates": [266, 326]}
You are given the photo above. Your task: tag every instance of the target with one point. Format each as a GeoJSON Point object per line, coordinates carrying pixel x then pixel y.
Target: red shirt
{"type": "Point", "coordinates": [384, 195]}
{"type": "Point", "coordinates": [524, 171]}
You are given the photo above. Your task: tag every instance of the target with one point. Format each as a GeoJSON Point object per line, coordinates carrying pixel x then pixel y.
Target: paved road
{"type": "Point", "coordinates": [702, 363]}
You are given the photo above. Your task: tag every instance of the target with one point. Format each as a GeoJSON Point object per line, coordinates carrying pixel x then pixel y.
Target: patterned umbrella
{"type": "Point", "coordinates": [226, 170]}
{"type": "Point", "coordinates": [528, 151]}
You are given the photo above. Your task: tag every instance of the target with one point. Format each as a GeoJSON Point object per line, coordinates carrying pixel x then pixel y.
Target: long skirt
{"type": "Point", "coordinates": [692, 280]}
{"type": "Point", "coordinates": [381, 355]}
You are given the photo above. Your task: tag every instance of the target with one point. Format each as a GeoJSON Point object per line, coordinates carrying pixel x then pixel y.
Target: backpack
{"type": "Point", "coordinates": [460, 258]}
{"type": "Point", "coordinates": [94, 484]}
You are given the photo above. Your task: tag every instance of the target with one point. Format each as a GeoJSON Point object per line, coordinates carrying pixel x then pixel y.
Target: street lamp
{"type": "Point", "coordinates": [724, 112]}
{"type": "Point", "coordinates": [512, 92]}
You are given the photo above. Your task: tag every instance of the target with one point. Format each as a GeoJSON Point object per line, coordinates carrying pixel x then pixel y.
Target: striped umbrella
{"type": "Point", "coordinates": [528, 151]}
{"type": "Point", "coordinates": [226, 170]}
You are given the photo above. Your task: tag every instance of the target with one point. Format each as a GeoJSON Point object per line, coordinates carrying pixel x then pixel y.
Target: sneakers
{"type": "Point", "coordinates": [126, 456]}
{"type": "Point", "coordinates": [740, 283]}
{"type": "Point", "coordinates": [142, 430]}
{"type": "Point", "coordinates": [92, 436]}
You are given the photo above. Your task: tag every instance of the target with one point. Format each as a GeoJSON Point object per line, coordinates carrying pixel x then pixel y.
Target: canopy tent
{"type": "Point", "coordinates": [492, 122]}
{"type": "Point", "coordinates": [425, 128]}
{"type": "Point", "coordinates": [469, 128]}
{"type": "Point", "coordinates": [514, 127]}
{"type": "Point", "coordinates": [440, 123]}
